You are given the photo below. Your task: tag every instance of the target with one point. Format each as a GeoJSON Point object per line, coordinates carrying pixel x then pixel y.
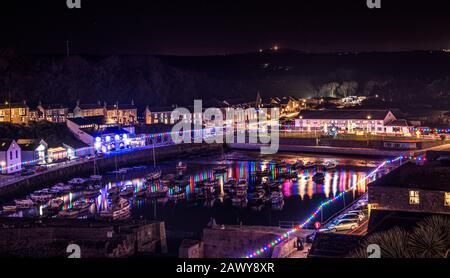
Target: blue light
{"type": "Point", "coordinates": [98, 139]}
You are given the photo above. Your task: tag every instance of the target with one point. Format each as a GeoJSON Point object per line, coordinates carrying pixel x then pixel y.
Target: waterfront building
{"type": "Point", "coordinates": [89, 110]}
{"type": "Point", "coordinates": [413, 188]}
{"type": "Point", "coordinates": [15, 113]}
{"type": "Point", "coordinates": [34, 151]}
{"type": "Point", "coordinates": [103, 137]}
{"type": "Point", "coordinates": [158, 115]}
{"type": "Point", "coordinates": [55, 113]}
{"type": "Point", "coordinates": [124, 114]}
{"type": "Point", "coordinates": [358, 122]}
{"type": "Point", "coordinates": [10, 156]}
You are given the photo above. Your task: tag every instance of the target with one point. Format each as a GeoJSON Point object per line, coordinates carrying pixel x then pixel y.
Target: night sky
{"type": "Point", "coordinates": [192, 27]}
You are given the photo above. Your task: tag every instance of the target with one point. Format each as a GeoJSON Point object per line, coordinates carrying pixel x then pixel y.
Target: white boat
{"type": "Point", "coordinates": [77, 209]}
{"type": "Point", "coordinates": [70, 213]}
{"type": "Point", "coordinates": [127, 192]}
{"type": "Point", "coordinates": [181, 166]}
{"type": "Point", "coordinates": [96, 177]}
{"type": "Point", "coordinates": [41, 197]}
{"type": "Point", "coordinates": [153, 175]}
{"type": "Point", "coordinates": [117, 210]}
{"type": "Point", "coordinates": [161, 192]}
{"type": "Point", "coordinates": [62, 188]}
{"type": "Point", "coordinates": [310, 164]}
{"type": "Point", "coordinates": [24, 204]}
{"type": "Point", "coordinates": [329, 165]}
{"type": "Point", "coordinates": [78, 181]}
{"type": "Point", "coordinates": [114, 190]}
{"type": "Point", "coordinates": [276, 197]}
{"type": "Point", "coordinates": [55, 203]}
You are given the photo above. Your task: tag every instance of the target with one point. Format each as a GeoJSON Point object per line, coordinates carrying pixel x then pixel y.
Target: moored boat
{"type": "Point", "coordinates": [24, 204]}
{"type": "Point", "coordinates": [117, 210]}
{"type": "Point", "coordinates": [181, 166]}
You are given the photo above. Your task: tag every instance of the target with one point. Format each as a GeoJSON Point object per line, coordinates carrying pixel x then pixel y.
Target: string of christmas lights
{"type": "Point", "coordinates": [278, 240]}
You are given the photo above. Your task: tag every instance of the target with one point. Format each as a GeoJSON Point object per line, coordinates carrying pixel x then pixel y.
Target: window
{"type": "Point", "coordinates": [17, 154]}
{"type": "Point", "coordinates": [414, 197]}
{"type": "Point", "coordinates": [447, 199]}
{"type": "Point", "coordinates": [10, 155]}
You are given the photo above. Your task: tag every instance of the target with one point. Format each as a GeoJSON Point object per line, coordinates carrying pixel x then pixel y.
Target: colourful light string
{"type": "Point", "coordinates": [278, 240]}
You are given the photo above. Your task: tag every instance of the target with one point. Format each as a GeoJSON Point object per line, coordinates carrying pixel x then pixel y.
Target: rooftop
{"type": "Point", "coordinates": [345, 114]}
{"type": "Point", "coordinates": [105, 130]}
{"type": "Point", "coordinates": [13, 105]}
{"type": "Point", "coordinates": [90, 106]}
{"type": "Point", "coordinates": [96, 120]}
{"type": "Point", "coordinates": [433, 175]}
{"type": "Point", "coordinates": [332, 245]}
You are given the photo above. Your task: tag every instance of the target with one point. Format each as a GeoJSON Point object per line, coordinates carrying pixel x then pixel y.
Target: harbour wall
{"type": "Point", "coordinates": [86, 168]}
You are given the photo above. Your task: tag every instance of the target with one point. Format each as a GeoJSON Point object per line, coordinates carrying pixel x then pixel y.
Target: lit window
{"type": "Point", "coordinates": [414, 197]}
{"type": "Point", "coordinates": [447, 199]}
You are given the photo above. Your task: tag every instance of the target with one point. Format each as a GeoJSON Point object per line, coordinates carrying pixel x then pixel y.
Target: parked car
{"type": "Point", "coordinates": [350, 215]}
{"type": "Point", "coordinates": [27, 173]}
{"type": "Point", "coordinates": [41, 168]}
{"type": "Point", "coordinates": [343, 225]}
{"type": "Point", "coordinates": [359, 212]}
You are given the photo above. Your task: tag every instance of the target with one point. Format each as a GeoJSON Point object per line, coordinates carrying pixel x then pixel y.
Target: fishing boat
{"type": "Point", "coordinates": [77, 209]}
{"type": "Point", "coordinates": [127, 192]}
{"type": "Point", "coordinates": [318, 177]}
{"type": "Point", "coordinates": [240, 202]}
{"type": "Point", "coordinates": [231, 183]}
{"type": "Point", "coordinates": [118, 210]}
{"type": "Point", "coordinates": [24, 204]}
{"type": "Point", "coordinates": [256, 196]}
{"type": "Point", "coordinates": [276, 197]}
{"type": "Point", "coordinates": [181, 166]}
{"type": "Point", "coordinates": [155, 175]}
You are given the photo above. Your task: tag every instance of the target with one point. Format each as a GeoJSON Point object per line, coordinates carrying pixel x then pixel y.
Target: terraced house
{"type": "Point", "coordinates": [15, 113]}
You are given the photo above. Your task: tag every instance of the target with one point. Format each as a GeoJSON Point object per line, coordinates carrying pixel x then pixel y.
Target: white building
{"type": "Point", "coordinates": [10, 156]}
{"type": "Point", "coordinates": [351, 121]}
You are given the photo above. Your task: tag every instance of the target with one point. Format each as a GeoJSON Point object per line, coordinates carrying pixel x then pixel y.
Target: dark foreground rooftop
{"type": "Point", "coordinates": [432, 175]}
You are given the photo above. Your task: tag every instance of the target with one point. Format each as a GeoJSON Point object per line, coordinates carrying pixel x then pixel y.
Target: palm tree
{"type": "Point", "coordinates": [430, 239]}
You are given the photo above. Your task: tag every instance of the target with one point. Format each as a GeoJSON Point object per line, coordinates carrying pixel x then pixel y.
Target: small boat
{"type": "Point", "coordinates": [231, 183]}
{"type": "Point", "coordinates": [256, 196]}
{"type": "Point", "coordinates": [77, 209]}
{"type": "Point", "coordinates": [181, 166]}
{"type": "Point", "coordinates": [329, 165]}
{"type": "Point", "coordinates": [55, 203]}
{"type": "Point", "coordinates": [118, 210]}
{"type": "Point", "coordinates": [41, 197]}
{"type": "Point", "coordinates": [310, 164]}
{"type": "Point", "coordinates": [276, 197]}
{"type": "Point", "coordinates": [96, 177]}
{"type": "Point", "coordinates": [62, 188]}
{"type": "Point", "coordinates": [70, 213]}
{"type": "Point", "coordinates": [275, 186]}
{"type": "Point", "coordinates": [127, 192]}
{"type": "Point", "coordinates": [240, 202]}
{"type": "Point", "coordinates": [139, 167]}
{"type": "Point", "coordinates": [81, 206]}
{"type": "Point", "coordinates": [9, 208]}
{"type": "Point", "coordinates": [78, 181]}
{"type": "Point", "coordinates": [155, 175]}
{"type": "Point", "coordinates": [318, 177]}
{"type": "Point", "coordinates": [91, 193]}
{"type": "Point", "coordinates": [24, 204]}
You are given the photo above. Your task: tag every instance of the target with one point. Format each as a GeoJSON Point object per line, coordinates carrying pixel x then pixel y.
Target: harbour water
{"type": "Point", "coordinates": [302, 194]}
